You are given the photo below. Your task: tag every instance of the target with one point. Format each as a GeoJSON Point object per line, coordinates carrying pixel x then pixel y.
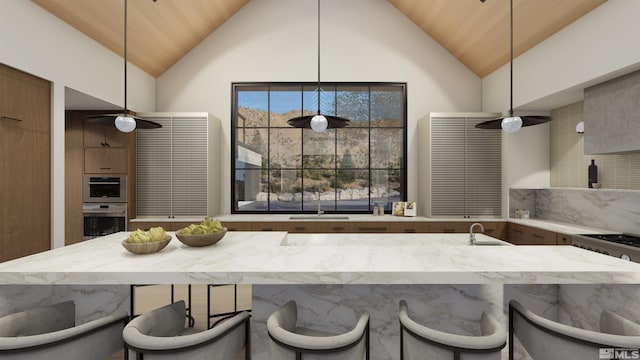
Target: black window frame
{"type": "Point", "coordinates": [234, 142]}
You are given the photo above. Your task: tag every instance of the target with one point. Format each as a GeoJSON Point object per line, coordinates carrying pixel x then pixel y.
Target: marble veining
{"type": "Point", "coordinates": [335, 308]}
{"type": "Point", "coordinates": [92, 301]}
{"type": "Point", "coordinates": [259, 258]}
{"type": "Point", "coordinates": [614, 210]}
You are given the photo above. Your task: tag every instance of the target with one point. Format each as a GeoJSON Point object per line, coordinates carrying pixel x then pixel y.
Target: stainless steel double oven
{"type": "Point", "coordinates": [104, 207]}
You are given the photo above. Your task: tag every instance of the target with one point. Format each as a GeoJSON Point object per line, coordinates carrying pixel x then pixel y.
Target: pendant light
{"type": "Point", "coordinates": [318, 122]}
{"type": "Point", "coordinates": [512, 123]}
{"type": "Point", "coordinates": [127, 121]}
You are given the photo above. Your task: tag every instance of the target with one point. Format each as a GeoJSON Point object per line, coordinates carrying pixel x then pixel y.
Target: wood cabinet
{"type": "Point", "coordinates": [73, 172]}
{"type": "Point", "coordinates": [105, 160]}
{"type": "Point", "coordinates": [527, 235]}
{"type": "Point", "coordinates": [105, 149]}
{"type": "Point", "coordinates": [563, 239]}
{"type": "Point", "coordinates": [496, 229]}
{"type": "Point", "coordinates": [104, 135]}
{"type": "Point", "coordinates": [25, 164]}
{"type": "Point", "coordinates": [168, 225]}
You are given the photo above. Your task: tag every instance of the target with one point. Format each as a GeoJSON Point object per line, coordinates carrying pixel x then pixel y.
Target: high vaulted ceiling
{"type": "Point", "coordinates": [161, 32]}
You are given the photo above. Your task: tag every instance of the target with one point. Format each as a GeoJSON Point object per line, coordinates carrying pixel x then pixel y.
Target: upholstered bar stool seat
{"type": "Point", "coordinates": [546, 339]}
{"type": "Point", "coordinates": [418, 342]}
{"type": "Point", "coordinates": [292, 342]}
{"type": "Point", "coordinates": [162, 334]}
{"type": "Point", "coordinates": [49, 332]}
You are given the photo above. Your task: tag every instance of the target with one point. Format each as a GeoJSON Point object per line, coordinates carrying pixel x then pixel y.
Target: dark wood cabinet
{"type": "Point", "coordinates": [527, 235]}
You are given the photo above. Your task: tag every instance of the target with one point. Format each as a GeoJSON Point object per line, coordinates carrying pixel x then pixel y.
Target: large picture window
{"type": "Point", "coordinates": [281, 169]}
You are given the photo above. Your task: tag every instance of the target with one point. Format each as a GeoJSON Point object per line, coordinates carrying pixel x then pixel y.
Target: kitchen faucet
{"type": "Point", "coordinates": [472, 236]}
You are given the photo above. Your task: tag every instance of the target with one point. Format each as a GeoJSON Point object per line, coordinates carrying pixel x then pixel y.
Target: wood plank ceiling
{"type": "Point", "coordinates": [161, 32]}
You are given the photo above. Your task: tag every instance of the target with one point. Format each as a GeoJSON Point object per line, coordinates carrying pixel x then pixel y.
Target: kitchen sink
{"type": "Point", "coordinates": [318, 217]}
{"type": "Point", "coordinates": [489, 243]}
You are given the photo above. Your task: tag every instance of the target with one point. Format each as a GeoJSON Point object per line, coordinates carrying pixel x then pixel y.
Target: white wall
{"type": "Point", "coordinates": [34, 41]}
{"type": "Point", "coordinates": [597, 47]}
{"type": "Point", "coordinates": [361, 40]}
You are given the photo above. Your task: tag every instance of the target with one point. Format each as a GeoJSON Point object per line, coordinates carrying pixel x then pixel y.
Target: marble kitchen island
{"type": "Point", "coordinates": [440, 275]}
{"type": "Point", "coordinates": [281, 258]}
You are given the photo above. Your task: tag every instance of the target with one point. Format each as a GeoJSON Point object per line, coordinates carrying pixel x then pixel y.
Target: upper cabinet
{"type": "Point", "coordinates": [460, 165]}
{"type": "Point", "coordinates": [104, 135]}
{"type": "Point", "coordinates": [105, 149]}
{"type": "Point", "coordinates": [612, 116]}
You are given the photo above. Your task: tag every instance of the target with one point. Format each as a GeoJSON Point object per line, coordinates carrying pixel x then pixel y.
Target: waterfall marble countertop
{"type": "Point", "coordinates": [281, 258]}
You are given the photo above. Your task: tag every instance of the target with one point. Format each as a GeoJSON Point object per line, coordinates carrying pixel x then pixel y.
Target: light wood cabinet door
{"type": "Point", "coordinates": [25, 158]}
{"type": "Point", "coordinates": [103, 135]}
{"type": "Point", "coordinates": [105, 160]}
{"type": "Point", "coordinates": [73, 171]}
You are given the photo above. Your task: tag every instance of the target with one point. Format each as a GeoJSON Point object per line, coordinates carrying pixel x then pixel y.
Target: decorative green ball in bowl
{"type": "Point", "coordinates": [201, 239]}
{"type": "Point", "coordinates": [146, 247]}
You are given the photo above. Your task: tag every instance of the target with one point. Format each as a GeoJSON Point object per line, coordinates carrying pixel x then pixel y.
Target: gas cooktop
{"type": "Point", "coordinates": [625, 239]}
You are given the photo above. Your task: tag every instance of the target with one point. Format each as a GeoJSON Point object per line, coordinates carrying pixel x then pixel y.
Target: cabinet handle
{"type": "Point", "coordinates": [10, 118]}
{"type": "Point", "coordinates": [267, 229]}
{"type": "Point", "coordinates": [449, 230]}
{"type": "Point", "coordinates": [538, 236]}
{"type": "Point", "coordinates": [409, 230]}
{"type": "Point", "coordinates": [372, 229]}
{"type": "Point", "coordinates": [105, 168]}
{"type": "Point", "coordinates": [518, 231]}
{"type": "Point", "coordinates": [299, 228]}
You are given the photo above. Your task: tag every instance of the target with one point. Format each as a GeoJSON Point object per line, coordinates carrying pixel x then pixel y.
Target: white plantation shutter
{"type": "Point", "coordinates": [465, 168]}
{"type": "Point", "coordinates": [189, 166]}
{"type": "Point", "coordinates": [172, 168]}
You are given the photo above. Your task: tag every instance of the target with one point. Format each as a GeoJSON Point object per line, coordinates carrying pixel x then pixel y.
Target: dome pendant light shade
{"type": "Point", "coordinates": [512, 123]}
{"type": "Point", "coordinates": [125, 123]}
{"type": "Point", "coordinates": [318, 122]}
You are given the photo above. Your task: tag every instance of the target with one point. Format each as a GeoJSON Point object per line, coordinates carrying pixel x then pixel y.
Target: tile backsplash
{"type": "Point", "coordinates": [569, 163]}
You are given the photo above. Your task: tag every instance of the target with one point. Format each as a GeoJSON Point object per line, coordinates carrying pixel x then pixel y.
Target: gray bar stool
{"type": "Point", "coordinates": [418, 342]}
{"type": "Point", "coordinates": [292, 342]}
{"type": "Point", "coordinates": [162, 334]}
{"type": "Point", "coordinates": [546, 339]}
{"type": "Point", "coordinates": [49, 332]}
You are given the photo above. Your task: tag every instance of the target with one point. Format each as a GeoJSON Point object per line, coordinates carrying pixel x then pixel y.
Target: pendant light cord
{"type": "Point", "coordinates": [510, 60]}
{"type": "Point", "coordinates": [318, 57]}
{"type": "Point", "coordinates": [125, 57]}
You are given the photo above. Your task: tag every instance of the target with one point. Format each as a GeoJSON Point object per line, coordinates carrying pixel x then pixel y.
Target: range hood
{"type": "Point", "coordinates": [612, 116]}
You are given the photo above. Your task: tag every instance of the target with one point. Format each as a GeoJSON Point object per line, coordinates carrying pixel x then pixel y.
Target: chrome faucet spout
{"type": "Point", "coordinates": [472, 236]}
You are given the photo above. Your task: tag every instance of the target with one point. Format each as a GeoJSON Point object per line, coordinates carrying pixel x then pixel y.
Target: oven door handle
{"type": "Point", "coordinates": [104, 214]}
